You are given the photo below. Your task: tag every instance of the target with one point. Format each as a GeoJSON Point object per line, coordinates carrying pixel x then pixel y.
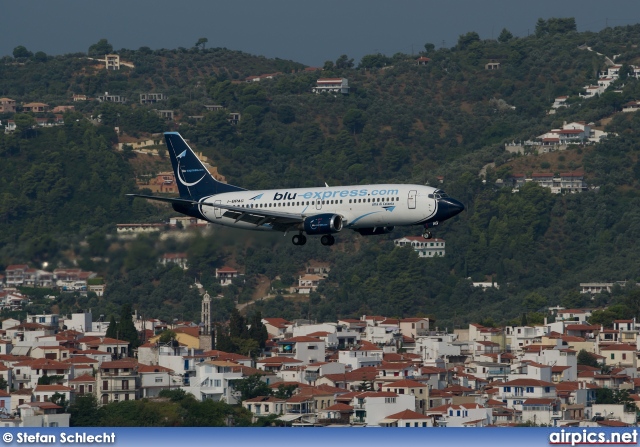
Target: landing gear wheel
{"type": "Point", "coordinates": [327, 239]}
{"type": "Point", "coordinates": [427, 234]}
{"type": "Point", "coordinates": [299, 239]}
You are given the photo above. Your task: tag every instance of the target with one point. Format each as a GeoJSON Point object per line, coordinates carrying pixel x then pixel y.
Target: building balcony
{"type": "Point", "coordinates": [117, 389]}
{"type": "Point", "coordinates": [119, 374]}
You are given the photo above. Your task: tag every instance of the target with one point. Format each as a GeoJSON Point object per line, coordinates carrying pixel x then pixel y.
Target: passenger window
{"type": "Point", "coordinates": [340, 202]}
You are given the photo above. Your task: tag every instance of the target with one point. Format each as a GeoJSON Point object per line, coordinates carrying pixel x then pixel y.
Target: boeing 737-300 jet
{"type": "Point", "coordinates": [367, 209]}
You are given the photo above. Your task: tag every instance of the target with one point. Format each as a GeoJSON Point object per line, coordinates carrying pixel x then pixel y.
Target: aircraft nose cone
{"type": "Point", "coordinates": [450, 207]}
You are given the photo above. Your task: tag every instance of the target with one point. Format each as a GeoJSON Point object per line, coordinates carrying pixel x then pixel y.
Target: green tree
{"type": "Point", "coordinates": [100, 48]}
{"type": "Point", "coordinates": [84, 411]}
{"type": "Point", "coordinates": [586, 358]}
{"type": "Point", "coordinates": [354, 120]}
{"type": "Point", "coordinates": [561, 25]}
{"type": "Point", "coordinates": [505, 36]}
{"type": "Point", "coordinates": [40, 56]}
{"type": "Point", "coordinates": [167, 336]}
{"type": "Point", "coordinates": [3, 384]}
{"type": "Point", "coordinates": [223, 341]}
{"type": "Point", "coordinates": [285, 391]}
{"type": "Point", "coordinates": [286, 114]}
{"type": "Point", "coordinates": [257, 330]}
{"type": "Point", "coordinates": [126, 328]}
{"type": "Point", "coordinates": [429, 47]}
{"type": "Point", "coordinates": [465, 40]}
{"type": "Point", "coordinates": [252, 386]}
{"type": "Point", "coordinates": [60, 400]}
{"type": "Point", "coordinates": [632, 301]}
{"type": "Point", "coordinates": [21, 51]}
{"type": "Point", "coordinates": [202, 42]}
{"type": "Point", "coordinates": [344, 62]}
{"type": "Point", "coordinates": [246, 346]}
{"type": "Point", "coordinates": [237, 325]}
{"type": "Point", "coordinates": [24, 124]}
{"type": "Point", "coordinates": [112, 330]}
{"type": "Point", "coordinates": [542, 28]}
{"type": "Point", "coordinates": [374, 61]}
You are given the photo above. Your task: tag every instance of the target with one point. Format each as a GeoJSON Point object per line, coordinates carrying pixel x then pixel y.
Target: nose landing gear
{"type": "Point", "coordinates": [426, 233]}
{"type": "Point", "coordinates": [299, 239]}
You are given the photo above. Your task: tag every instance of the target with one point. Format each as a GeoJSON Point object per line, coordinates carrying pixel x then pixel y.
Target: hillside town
{"type": "Point", "coordinates": [367, 371]}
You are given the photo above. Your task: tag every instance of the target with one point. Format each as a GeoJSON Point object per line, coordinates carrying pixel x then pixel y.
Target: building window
{"type": "Point", "coordinates": [158, 379]}
{"type": "Point", "coordinates": [529, 389]}
{"type": "Point", "coordinates": [613, 356]}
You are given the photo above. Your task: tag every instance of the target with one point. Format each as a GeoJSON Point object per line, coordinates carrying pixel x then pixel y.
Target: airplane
{"type": "Point", "coordinates": [367, 209]}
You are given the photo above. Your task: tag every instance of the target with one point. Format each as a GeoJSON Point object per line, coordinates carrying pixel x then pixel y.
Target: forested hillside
{"type": "Point", "coordinates": [62, 189]}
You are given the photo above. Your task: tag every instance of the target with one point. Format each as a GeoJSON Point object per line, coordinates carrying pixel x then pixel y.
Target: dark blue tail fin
{"type": "Point", "coordinates": [193, 179]}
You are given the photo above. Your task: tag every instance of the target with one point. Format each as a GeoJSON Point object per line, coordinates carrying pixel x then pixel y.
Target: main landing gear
{"type": "Point", "coordinates": [327, 239]}
{"type": "Point", "coordinates": [299, 239]}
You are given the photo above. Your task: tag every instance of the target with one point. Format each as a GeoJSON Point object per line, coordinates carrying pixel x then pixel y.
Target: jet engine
{"type": "Point", "coordinates": [323, 224]}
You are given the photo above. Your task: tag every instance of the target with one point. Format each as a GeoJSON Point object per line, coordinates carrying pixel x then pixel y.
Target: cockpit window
{"type": "Point", "coordinates": [441, 194]}
{"type": "Point", "coordinates": [431, 196]}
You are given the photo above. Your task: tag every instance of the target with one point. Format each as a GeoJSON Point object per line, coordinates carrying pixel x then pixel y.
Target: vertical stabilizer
{"type": "Point", "coordinates": [193, 179]}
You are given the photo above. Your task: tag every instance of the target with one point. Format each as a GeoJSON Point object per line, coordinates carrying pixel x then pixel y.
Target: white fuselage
{"type": "Point", "coordinates": [363, 206]}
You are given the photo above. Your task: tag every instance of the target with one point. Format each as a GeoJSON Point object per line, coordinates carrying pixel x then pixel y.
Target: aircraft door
{"type": "Point", "coordinates": [318, 204]}
{"type": "Point", "coordinates": [412, 199]}
{"type": "Point", "coordinates": [217, 211]}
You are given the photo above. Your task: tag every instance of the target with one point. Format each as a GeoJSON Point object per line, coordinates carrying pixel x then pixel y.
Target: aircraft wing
{"type": "Point", "coordinates": [259, 216]}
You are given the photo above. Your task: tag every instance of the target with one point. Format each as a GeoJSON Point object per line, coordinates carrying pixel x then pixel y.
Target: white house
{"type": "Point", "coordinates": [331, 85]}
{"type": "Point", "coordinates": [44, 393]}
{"type": "Point", "coordinates": [426, 248]}
{"type": "Point", "coordinates": [367, 355]}
{"type": "Point", "coordinates": [372, 407]}
{"type": "Point", "coordinates": [407, 418]}
{"type": "Point", "coordinates": [463, 415]}
{"type": "Point", "coordinates": [303, 348]}
{"type": "Point", "coordinates": [226, 275]}
{"type": "Point", "coordinates": [515, 392]}
{"type": "Point", "coordinates": [155, 378]}
{"type": "Point", "coordinates": [212, 381]}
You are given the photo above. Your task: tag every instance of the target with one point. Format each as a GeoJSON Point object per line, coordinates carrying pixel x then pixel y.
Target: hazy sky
{"type": "Point", "coordinates": [304, 31]}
